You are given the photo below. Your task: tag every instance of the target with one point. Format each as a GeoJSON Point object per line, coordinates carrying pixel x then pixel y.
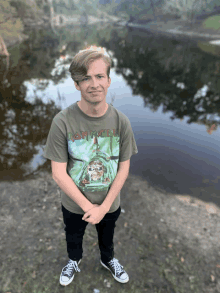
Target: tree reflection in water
{"type": "Point", "coordinates": [24, 125]}
{"type": "Point", "coordinates": [172, 73]}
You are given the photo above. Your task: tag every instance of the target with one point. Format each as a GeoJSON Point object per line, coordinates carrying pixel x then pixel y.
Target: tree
{"type": "Point", "coordinates": [186, 9]}
{"type": "Point", "coordinates": [27, 9]}
{"type": "Point", "coordinates": [10, 26]}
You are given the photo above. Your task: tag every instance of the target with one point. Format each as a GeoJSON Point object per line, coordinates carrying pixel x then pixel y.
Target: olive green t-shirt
{"type": "Point", "coordinates": [92, 148]}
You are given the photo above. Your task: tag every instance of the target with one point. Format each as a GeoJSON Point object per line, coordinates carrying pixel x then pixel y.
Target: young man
{"type": "Point", "coordinates": [90, 144]}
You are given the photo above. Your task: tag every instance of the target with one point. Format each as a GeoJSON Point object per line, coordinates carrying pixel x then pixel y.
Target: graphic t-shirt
{"type": "Point", "coordinates": [92, 148]}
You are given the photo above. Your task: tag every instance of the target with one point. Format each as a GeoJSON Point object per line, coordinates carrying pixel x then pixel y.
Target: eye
{"type": "Point", "coordinates": [86, 78]}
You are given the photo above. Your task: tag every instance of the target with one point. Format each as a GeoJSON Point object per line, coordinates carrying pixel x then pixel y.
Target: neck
{"type": "Point", "coordinates": [93, 110]}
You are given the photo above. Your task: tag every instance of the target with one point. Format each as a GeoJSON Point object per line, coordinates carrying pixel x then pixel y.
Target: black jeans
{"type": "Point", "coordinates": [75, 228]}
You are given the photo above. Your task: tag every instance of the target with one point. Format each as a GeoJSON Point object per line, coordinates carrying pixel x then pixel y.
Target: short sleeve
{"type": "Point", "coordinates": [128, 145]}
{"type": "Point", "coordinates": [56, 148]}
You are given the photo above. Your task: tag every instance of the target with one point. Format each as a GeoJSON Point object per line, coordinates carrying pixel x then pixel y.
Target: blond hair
{"type": "Point", "coordinates": [82, 60]}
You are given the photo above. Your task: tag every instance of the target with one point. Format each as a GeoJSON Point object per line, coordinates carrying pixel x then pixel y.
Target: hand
{"type": "Point", "coordinates": [94, 215]}
{"type": "Point", "coordinates": [94, 205]}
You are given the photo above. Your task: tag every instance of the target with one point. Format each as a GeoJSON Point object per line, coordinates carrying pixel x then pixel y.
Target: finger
{"type": "Point", "coordinates": [85, 216]}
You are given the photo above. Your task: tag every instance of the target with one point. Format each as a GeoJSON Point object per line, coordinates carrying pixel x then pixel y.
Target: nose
{"type": "Point", "coordinates": [94, 82]}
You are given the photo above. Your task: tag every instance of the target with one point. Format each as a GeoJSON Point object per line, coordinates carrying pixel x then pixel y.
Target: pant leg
{"type": "Point", "coordinates": [105, 229]}
{"type": "Point", "coordinates": [75, 229]}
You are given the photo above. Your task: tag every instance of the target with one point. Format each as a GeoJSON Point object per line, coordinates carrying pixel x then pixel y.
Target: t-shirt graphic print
{"type": "Point", "coordinates": [92, 148]}
{"type": "Point", "coordinates": [96, 159]}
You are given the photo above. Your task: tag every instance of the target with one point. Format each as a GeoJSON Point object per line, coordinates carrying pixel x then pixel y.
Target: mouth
{"type": "Point", "coordinates": [95, 93]}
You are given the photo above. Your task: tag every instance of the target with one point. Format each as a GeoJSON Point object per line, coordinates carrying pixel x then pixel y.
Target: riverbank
{"type": "Point", "coordinates": [177, 28]}
{"type": "Point", "coordinates": [166, 243]}
{"type": "Point", "coordinates": [59, 21]}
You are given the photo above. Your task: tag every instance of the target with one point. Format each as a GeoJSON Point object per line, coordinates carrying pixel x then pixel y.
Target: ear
{"type": "Point", "coordinates": [109, 81]}
{"type": "Point", "coordinates": [76, 86]}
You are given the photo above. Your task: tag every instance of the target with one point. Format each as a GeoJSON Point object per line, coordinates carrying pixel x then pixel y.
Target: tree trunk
{"type": "Point", "coordinates": [3, 48]}
{"type": "Point", "coordinates": [51, 16]}
{"type": "Point", "coordinates": [4, 52]}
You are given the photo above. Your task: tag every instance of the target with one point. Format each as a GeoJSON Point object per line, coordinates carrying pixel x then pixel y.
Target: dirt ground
{"type": "Point", "coordinates": [166, 243]}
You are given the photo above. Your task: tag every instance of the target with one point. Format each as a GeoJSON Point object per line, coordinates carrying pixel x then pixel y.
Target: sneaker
{"type": "Point", "coordinates": [116, 270]}
{"type": "Point", "coordinates": [68, 271]}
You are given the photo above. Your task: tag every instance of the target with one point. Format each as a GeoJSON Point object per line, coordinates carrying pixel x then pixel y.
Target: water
{"type": "Point", "coordinates": [151, 74]}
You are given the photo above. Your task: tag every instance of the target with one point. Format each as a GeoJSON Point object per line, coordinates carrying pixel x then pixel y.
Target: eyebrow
{"type": "Point", "coordinates": [96, 74]}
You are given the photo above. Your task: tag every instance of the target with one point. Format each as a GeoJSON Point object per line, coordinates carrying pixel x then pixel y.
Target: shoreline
{"type": "Point", "coordinates": [171, 28]}
{"type": "Point", "coordinates": [176, 28]}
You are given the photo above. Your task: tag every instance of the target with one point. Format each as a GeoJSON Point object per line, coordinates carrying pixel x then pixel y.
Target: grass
{"type": "Point", "coordinates": [212, 22]}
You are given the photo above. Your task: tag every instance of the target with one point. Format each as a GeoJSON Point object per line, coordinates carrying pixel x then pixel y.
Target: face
{"type": "Point", "coordinates": [95, 80]}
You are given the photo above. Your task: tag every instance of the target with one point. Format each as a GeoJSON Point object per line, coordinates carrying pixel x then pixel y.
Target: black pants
{"type": "Point", "coordinates": [75, 228]}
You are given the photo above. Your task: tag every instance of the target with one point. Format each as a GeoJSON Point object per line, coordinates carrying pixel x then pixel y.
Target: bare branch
{"type": "Point", "coordinates": [3, 48]}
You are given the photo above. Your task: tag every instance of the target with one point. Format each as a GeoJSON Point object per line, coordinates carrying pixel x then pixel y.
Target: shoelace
{"type": "Point", "coordinates": [69, 267]}
{"type": "Point", "coordinates": [118, 268]}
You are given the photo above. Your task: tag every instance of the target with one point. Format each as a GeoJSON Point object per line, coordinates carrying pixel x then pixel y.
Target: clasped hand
{"type": "Point", "coordinates": [95, 215]}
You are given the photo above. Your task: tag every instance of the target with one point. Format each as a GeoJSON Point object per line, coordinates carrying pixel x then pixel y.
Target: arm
{"type": "Point", "coordinates": [117, 184]}
{"type": "Point", "coordinates": [65, 182]}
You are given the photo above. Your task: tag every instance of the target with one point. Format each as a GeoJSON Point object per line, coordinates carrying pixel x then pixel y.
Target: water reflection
{"type": "Point", "coordinates": [24, 126]}
{"type": "Point", "coordinates": [169, 72]}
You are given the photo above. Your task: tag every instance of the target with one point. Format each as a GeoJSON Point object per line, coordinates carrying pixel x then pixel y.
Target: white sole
{"type": "Point", "coordinates": [67, 283]}
{"type": "Point", "coordinates": [117, 279]}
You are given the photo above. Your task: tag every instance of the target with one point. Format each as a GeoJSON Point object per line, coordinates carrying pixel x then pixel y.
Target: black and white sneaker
{"type": "Point", "coordinates": [116, 270]}
{"type": "Point", "coordinates": [68, 271]}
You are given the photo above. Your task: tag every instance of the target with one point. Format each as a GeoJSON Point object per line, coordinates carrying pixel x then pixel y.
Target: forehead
{"type": "Point", "coordinates": [97, 67]}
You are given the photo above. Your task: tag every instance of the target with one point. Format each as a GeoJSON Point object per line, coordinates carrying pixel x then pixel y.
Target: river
{"type": "Point", "coordinates": [167, 87]}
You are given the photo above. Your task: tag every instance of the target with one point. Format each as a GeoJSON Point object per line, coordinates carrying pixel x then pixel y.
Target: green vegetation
{"type": "Point", "coordinates": [212, 22]}
{"type": "Point", "coordinates": [188, 9]}
{"type": "Point", "coordinates": [10, 25]}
